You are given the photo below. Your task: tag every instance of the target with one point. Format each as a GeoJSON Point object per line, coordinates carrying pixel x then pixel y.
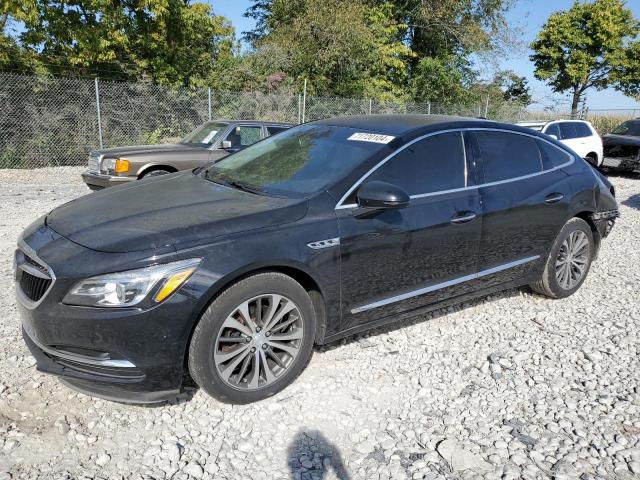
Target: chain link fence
{"type": "Point", "coordinates": [48, 121]}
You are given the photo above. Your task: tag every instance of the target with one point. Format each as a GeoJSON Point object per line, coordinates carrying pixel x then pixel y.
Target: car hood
{"type": "Point", "coordinates": [177, 211]}
{"type": "Point", "coordinates": [146, 149]}
{"type": "Point", "coordinates": [620, 140]}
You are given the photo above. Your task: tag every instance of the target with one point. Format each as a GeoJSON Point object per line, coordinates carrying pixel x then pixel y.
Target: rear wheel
{"type": "Point", "coordinates": [569, 260]}
{"type": "Point", "coordinates": [254, 339]}
{"type": "Point", "coordinates": [592, 158]}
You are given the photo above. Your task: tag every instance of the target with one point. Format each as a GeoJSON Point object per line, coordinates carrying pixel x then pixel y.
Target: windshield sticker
{"type": "Point", "coordinates": [371, 137]}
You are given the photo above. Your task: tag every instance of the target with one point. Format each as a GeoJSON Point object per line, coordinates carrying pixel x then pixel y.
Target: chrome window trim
{"type": "Point", "coordinates": [340, 205]}
{"type": "Point", "coordinates": [22, 298]}
{"type": "Point", "coordinates": [440, 286]}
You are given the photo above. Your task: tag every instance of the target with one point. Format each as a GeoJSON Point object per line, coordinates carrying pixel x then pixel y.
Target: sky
{"type": "Point", "coordinates": [527, 15]}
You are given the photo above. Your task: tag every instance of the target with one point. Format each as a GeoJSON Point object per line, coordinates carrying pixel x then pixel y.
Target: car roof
{"type": "Point", "coordinates": [532, 124]}
{"type": "Point", "coordinates": [260, 122]}
{"type": "Point", "coordinates": [409, 125]}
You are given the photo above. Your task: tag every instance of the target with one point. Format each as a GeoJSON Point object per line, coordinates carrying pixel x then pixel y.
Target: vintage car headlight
{"type": "Point", "coordinates": [126, 289]}
{"type": "Point", "coordinates": [111, 166]}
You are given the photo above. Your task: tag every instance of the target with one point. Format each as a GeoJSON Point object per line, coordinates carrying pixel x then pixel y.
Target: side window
{"type": "Point", "coordinates": [243, 136]}
{"type": "Point", "coordinates": [568, 130]}
{"type": "Point", "coordinates": [553, 130]}
{"type": "Point", "coordinates": [271, 130]}
{"type": "Point", "coordinates": [552, 156]}
{"type": "Point", "coordinates": [583, 129]}
{"type": "Point", "coordinates": [507, 155]}
{"type": "Point", "coordinates": [430, 165]}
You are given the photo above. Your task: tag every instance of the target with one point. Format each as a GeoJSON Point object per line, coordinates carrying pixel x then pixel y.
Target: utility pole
{"type": "Point", "coordinates": [304, 100]}
{"type": "Point", "coordinates": [98, 112]}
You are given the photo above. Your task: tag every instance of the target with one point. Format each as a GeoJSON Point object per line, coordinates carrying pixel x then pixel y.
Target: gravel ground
{"type": "Point", "coordinates": [512, 386]}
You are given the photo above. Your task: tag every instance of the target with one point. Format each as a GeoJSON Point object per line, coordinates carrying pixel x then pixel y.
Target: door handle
{"type": "Point", "coordinates": [553, 198]}
{"type": "Point", "coordinates": [464, 217]}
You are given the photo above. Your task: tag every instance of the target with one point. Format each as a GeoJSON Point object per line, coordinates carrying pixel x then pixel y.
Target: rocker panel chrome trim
{"type": "Point", "coordinates": [448, 283]}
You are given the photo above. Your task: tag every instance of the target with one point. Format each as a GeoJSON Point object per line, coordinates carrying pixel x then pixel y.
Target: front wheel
{"type": "Point", "coordinates": [569, 260]}
{"type": "Point", "coordinates": [254, 339]}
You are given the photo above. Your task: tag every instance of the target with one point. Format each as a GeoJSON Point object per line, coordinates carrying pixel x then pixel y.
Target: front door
{"type": "Point", "coordinates": [401, 259]}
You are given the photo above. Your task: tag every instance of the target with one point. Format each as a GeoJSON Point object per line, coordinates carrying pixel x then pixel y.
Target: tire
{"type": "Point", "coordinates": [550, 284]}
{"type": "Point", "coordinates": [155, 173]}
{"type": "Point", "coordinates": [592, 159]}
{"type": "Point", "coordinates": [222, 331]}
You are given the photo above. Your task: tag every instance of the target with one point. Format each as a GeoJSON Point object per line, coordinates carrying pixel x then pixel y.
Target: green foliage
{"type": "Point", "coordinates": [168, 41]}
{"type": "Point", "coordinates": [342, 48]}
{"type": "Point", "coordinates": [605, 124]}
{"type": "Point", "coordinates": [442, 80]}
{"type": "Point", "coordinates": [591, 45]}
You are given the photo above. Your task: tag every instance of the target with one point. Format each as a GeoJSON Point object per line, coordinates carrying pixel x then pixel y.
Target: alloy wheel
{"type": "Point", "coordinates": [258, 342]}
{"type": "Point", "coordinates": [572, 259]}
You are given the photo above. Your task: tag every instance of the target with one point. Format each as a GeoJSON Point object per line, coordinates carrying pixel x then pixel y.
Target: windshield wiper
{"type": "Point", "coordinates": [234, 184]}
{"type": "Point", "coordinates": [245, 187]}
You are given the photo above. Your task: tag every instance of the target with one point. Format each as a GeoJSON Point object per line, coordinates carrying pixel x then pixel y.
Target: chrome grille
{"type": "Point", "coordinates": [94, 162]}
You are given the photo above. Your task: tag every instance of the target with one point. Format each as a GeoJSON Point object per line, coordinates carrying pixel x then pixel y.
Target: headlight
{"type": "Point", "coordinates": [111, 166]}
{"type": "Point", "coordinates": [126, 289]}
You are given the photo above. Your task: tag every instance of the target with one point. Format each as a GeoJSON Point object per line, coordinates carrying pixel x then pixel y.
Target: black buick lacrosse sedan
{"type": "Point", "coordinates": [232, 273]}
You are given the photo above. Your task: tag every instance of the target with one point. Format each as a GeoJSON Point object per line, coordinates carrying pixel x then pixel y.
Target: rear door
{"type": "Point", "coordinates": [575, 135]}
{"type": "Point", "coordinates": [398, 260]}
{"type": "Point", "coordinates": [525, 201]}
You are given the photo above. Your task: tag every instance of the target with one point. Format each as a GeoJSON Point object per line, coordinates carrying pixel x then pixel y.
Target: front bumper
{"type": "Point", "coordinates": [96, 181]}
{"type": "Point", "coordinates": [126, 354]}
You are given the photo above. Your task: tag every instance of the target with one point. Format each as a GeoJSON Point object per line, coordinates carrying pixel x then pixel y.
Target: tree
{"type": "Point", "coordinates": [445, 81]}
{"type": "Point", "coordinates": [12, 55]}
{"type": "Point", "coordinates": [591, 45]}
{"type": "Point", "coordinates": [342, 48]}
{"type": "Point", "coordinates": [168, 41]}
{"type": "Point", "coordinates": [513, 87]}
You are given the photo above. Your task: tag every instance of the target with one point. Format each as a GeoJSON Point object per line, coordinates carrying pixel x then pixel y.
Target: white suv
{"type": "Point", "coordinates": [578, 135]}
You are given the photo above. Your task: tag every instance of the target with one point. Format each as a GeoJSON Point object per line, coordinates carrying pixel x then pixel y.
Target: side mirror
{"type": "Point", "coordinates": [226, 144]}
{"type": "Point", "coordinates": [382, 195]}
{"type": "Point", "coordinates": [555, 137]}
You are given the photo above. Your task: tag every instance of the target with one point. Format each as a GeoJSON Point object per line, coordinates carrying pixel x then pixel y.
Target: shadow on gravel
{"type": "Point", "coordinates": [311, 455]}
{"type": "Point", "coordinates": [633, 201]}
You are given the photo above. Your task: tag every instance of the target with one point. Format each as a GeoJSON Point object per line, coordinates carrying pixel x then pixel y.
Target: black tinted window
{"type": "Point", "coordinates": [569, 130]}
{"type": "Point", "coordinates": [273, 130]}
{"type": "Point", "coordinates": [552, 156]}
{"type": "Point", "coordinates": [582, 129]}
{"type": "Point", "coordinates": [431, 165]}
{"type": "Point", "coordinates": [553, 130]}
{"type": "Point", "coordinates": [628, 128]}
{"type": "Point", "coordinates": [507, 155]}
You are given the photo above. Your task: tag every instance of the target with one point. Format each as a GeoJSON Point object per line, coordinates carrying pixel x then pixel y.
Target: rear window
{"type": "Point", "coordinates": [507, 155]}
{"type": "Point", "coordinates": [571, 130]}
{"type": "Point", "coordinates": [552, 156]}
{"type": "Point", "coordinates": [271, 130]}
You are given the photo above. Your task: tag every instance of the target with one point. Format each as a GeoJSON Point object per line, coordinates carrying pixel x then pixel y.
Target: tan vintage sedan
{"type": "Point", "coordinates": [208, 143]}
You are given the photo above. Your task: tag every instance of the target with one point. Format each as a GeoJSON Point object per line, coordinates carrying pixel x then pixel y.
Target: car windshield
{"type": "Point", "coordinates": [205, 134]}
{"type": "Point", "coordinates": [628, 128]}
{"type": "Point", "coordinates": [297, 162]}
